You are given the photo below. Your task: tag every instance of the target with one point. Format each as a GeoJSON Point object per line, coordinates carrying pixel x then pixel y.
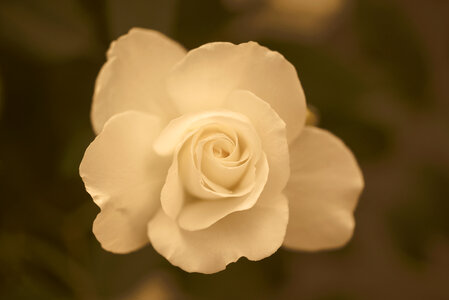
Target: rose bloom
{"type": "Point", "coordinates": [205, 154]}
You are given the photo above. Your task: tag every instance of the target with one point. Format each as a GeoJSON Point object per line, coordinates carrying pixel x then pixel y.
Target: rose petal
{"type": "Point", "coordinates": [271, 130]}
{"type": "Point", "coordinates": [177, 130]}
{"type": "Point", "coordinates": [133, 76]}
{"type": "Point", "coordinates": [193, 169]}
{"type": "Point", "coordinates": [323, 190]}
{"type": "Point", "coordinates": [219, 172]}
{"type": "Point", "coordinates": [124, 177]}
{"type": "Point", "coordinates": [203, 213]}
{"type": "Point", "coordinates": [205, 77]}
{"type": "Point", "coordinates": [255, 234]}
{"type": "Point", "coordinates": [173, 195]}
{"type": "Point", "coordinates": [205, 197]}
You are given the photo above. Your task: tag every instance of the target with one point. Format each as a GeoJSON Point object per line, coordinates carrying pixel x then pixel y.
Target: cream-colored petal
{"type": "Point", "coordinates": [196, 171]}
{"type": "Point", "coordinates": [124, 177]}
{"type": "Point", "coordinates": [271, 130]}
{"type": "Point", "coordinates": [217, 171]}
{"type": "Point", "coordinates": [323, 190]}
{"type": "Point", "coordinates": [180, 131]}
{"type": "Point", "coordinates": [188, 189]}
{"type": "Point", "coordinates": [201, 214]}
{"type": "Point", "coordinates": [206, 76]}
{"type": "Point", "coordinates": [133, 77]}
{"type": "Point", "coordinates": [255, 234]}
{"type": "Point", "coordinates": [177, 130]}
{"type": "Point", "coordinates": [186, 179]}
{"type": "Point", "coordinates": [172, 194]}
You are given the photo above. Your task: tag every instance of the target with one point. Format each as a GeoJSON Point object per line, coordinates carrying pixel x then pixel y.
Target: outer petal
{"type": "Point", "coordinates": [132, 78]}
{"type": "Point", "coordinates": [323, 190]}
{"type": "Point", "coordinates": [271, 130]}
{"type": "Point", "coordinates": [255, 234]}
{"type": "Point", "coordinates": [205, 77]}
{"type": "Point", "coordinates": [124, 177]}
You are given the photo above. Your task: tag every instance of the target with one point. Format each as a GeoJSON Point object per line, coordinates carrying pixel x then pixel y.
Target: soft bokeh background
{"type": "Point", "coordinates": [376, 70]}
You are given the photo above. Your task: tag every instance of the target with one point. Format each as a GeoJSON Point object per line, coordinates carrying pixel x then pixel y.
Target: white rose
{"type": "Point", "coordinates": [206, 155]}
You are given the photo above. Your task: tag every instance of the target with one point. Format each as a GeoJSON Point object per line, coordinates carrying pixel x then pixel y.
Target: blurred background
{"type": "Point", "coordinates": [376, 70]}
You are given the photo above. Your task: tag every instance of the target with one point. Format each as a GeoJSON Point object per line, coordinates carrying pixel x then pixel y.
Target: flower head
{"type": "Point", "coordinates": [205, 155]}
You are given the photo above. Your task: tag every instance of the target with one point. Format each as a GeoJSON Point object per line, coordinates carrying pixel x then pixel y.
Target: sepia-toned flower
{"type": "Point", "coordinates": [207, 156]}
